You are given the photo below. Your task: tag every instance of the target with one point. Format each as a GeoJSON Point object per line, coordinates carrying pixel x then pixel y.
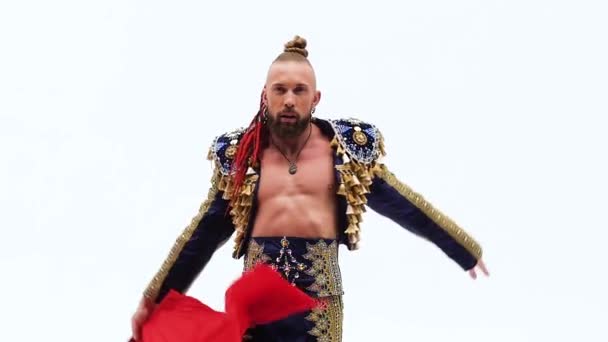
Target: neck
{"type": "Point", "coordinates": [292, 145]}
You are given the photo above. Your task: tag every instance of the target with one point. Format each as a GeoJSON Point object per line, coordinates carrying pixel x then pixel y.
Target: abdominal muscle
{"type": "Point", "coordinates": [300, 205]}
{"type": "Point", "coordinates": [297, 216]}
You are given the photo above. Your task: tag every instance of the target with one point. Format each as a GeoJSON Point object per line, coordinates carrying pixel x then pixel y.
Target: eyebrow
{"type": "Point", "coordinates": [279, 84]}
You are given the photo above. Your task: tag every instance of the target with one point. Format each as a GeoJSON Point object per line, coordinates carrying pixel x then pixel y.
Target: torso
{"type": "Point", "coordinates": [303, 204]}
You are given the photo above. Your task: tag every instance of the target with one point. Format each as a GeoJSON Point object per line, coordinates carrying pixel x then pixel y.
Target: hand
{"type": "Point", "coordinates": [144, 310]}
{"type": "Point", "coordinates": [482, 267]}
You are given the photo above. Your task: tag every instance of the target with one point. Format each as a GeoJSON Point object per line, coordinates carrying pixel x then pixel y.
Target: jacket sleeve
{"type": "Point", "coordinates": [395, 200]}
{"type": "Point", "coordinates": [192, 250]}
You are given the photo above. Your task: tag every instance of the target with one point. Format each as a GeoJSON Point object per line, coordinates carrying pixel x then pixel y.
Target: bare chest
{"type": "Point", "coordinates": [314, 177]}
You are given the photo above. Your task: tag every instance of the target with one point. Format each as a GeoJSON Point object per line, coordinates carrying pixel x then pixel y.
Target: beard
{"type": "Point", "coordinates": [287, 130]}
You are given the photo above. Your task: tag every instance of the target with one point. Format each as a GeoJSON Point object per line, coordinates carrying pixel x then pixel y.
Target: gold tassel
{"type": "Point", "coordinates": [242, 209]}
{"type": "Point", "coordinates": [355, 180]}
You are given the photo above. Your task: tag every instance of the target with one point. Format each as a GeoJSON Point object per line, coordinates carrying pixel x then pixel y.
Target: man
{"type": "Point", "coordinates": [293, 187]}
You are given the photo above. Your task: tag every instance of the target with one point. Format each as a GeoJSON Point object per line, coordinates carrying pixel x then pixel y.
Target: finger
{"type": "Point", "coordinates": [483, 268]}
{"type": "Point", "coordinates": [135, 330]}
{"type": "Point", "coordinates": [473, 274]}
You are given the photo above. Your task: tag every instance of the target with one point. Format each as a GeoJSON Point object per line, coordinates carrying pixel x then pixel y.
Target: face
{"type": "Point", "coordinates": [290, 95]}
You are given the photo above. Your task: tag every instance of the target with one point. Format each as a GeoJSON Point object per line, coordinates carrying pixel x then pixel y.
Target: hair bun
{"type": "Point", "coordinates": [297, 45]}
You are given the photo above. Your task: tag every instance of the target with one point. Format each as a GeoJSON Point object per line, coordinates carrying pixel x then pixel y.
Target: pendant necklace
{"type": "Point", "coordinates": [293, 168]}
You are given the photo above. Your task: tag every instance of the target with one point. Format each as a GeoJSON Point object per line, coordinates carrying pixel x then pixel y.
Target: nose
{"type": "Point", "coordinates": [289, 100]}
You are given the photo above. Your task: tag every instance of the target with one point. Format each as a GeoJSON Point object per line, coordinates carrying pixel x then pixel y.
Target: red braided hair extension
{"type": "Point", "coordinates": [248, 150]}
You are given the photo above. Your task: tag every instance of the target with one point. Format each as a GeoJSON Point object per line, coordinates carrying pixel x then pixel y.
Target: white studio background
{"type": "Point", "coordinates": [493, 110]}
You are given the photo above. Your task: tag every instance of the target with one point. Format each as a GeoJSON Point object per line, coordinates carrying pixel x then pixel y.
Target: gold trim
{"type": "Point", "coordinates": [360, 137]}
{"type": "Point", "coordinates": [428, 209]}
{"type": "Point", "coordinates": [323, 258]}
{"type": "Point", "coordinates": [153, 288]}
{"type": "Point", "coordinates": [355, 182]}
{"type": "Point", "coordinates": [230, 151]}
{"type": "Point", "coordinates": [324, 269]}
{"type": "Point", "coordinates": [255, 255]}
{"type": "Point", "coordinates": [328, 318]}
{"type": "Point", "coordinates": [242, 206]}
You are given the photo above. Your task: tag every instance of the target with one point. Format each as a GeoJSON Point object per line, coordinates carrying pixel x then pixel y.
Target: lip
{"type": "Point", "coordinates": [287, 118]}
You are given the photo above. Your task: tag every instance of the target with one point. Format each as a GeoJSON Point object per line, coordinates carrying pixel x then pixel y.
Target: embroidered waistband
{"type": "Point", "coordinates": [310, 264]}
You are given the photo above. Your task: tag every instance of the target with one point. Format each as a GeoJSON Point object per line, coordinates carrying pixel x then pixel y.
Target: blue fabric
{"type": "Point", "coordinates": [213, 230]}
{"type": "Point", "coordinates": [297, 248]}
{"type": "Point", "coordinates": [387, 201]}
{"type": "Point", "coordinates": [295, 328]}
{"type": "Point", "coordinates": [292, 329]}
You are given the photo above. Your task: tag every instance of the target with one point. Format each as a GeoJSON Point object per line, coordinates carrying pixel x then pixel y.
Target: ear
{"type": "Point", "coordinates": [317, 98]}
{"type": "Point", "coordinates": [264, 98]}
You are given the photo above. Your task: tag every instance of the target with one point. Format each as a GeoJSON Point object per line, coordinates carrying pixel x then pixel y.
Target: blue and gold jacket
{"type": "Point", "coordinates": [363, 179]}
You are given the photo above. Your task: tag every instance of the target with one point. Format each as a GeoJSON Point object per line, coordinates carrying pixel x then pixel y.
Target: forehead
{"type": "Point", "coordinates": [290, 73]}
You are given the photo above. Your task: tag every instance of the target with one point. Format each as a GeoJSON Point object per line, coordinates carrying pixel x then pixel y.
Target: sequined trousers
{"type": "Point", "coordinates": [312, 266]}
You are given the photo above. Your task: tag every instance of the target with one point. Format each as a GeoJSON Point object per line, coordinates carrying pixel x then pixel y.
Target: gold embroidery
{"type": "Point", "coordinates": [442, 220]}
{"type": "Point", "coordinates": [230, 151]}
{"type": "Point", "coordinates": [153, 288]}
{"type": "Point", "coordinates": [255, 254]}
{"type": "Point", "coordinates": [325, 269]}
{"type": "Point", "coordinates": [360, 137]}
{"type": "Point", "coordinates": [242, 206]}
{"type": "Point", "coordinates": [287, 263]}
{"type": "Point", "coordinates": [328, 315]}
{"type": "Point", "coordinates": [355, 181]}
{"type": "Point", "coordinates": [328, 319]}
{"type": "Point", "coordinates": [323, 258]}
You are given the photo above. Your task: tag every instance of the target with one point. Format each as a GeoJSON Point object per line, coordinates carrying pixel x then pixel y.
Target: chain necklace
{"type": "Point", "coordinates": [293, 168]}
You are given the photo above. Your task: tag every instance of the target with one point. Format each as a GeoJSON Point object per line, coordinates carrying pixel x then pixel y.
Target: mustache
{"type": "Point", "coordinates": [289, 112]}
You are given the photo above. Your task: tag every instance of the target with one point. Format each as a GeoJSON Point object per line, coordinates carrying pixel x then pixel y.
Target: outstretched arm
{"type": "Point", "coordinates": [393, 199]}
{"type": "Point", "coordinates": [208, 231]}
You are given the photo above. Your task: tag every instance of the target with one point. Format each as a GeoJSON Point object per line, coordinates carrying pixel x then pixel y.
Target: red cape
{"type": "Point", "coordinates": [259, 296]}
